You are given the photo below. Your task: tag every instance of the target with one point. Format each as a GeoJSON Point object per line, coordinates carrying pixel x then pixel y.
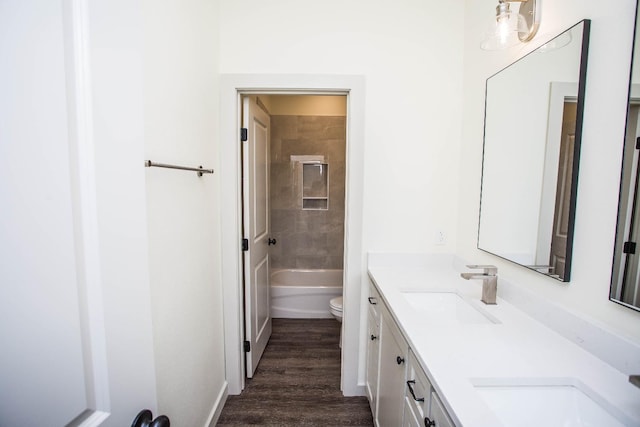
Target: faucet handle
{"type": "Point", "coordinates": [490, 270]}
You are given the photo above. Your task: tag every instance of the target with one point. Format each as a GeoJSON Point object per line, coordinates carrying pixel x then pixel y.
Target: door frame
{"type": "Point", "coordinates": [232, 87]}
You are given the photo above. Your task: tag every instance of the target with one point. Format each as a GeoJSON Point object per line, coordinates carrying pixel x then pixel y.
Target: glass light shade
{"type": "Point", "coordinates": [503, 33]}
{"type": "Point", "coordinates": [556, 43]}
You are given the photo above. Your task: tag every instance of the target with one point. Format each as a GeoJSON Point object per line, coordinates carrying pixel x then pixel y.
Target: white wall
{"type": "Point", "coordinates": [603, 133]}
{"type": "Point", "coordinates": [181, 125]}
{"type": "Point", "coordinates": [410, 52]}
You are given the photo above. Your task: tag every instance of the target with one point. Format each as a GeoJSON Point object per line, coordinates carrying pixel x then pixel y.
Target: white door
{"type": "Point", "coordinates": [256, 231]}
{"type": "Point", "coordinates": [57, 359]}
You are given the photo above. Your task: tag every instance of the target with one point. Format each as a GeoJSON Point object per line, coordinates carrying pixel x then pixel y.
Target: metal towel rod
{"type": "Point", "coordinates": [199, 170]}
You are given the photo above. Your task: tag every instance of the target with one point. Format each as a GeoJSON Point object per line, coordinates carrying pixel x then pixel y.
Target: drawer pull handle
{"type": "Point", "coordinates": [429, 423]}
{"type": "Point", "coordinates": [372, 301]}
{"type": "Point", "coordinates": [373, 337]}
{"type": "Point", "coordinates": [399, 360]}
{"type": "Point", "coordinates": [410, 384]}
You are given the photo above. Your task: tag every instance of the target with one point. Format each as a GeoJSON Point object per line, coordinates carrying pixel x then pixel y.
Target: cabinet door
{"type": "Point", "coordinates": [375, 302]}
{"type": "Point", "coordinates": [373, 357]}
{"type": "Point", "coordinates": [393, 353]}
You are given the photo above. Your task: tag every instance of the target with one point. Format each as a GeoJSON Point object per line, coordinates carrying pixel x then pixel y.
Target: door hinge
{"type": "Point", "coordinates": [245, 245]}
{"type": "Point", "coordinates": [247, 346]}
{"type": "Point", "coordinates": [629, 248]}
{"type": "Point", "coordinates": [244, 134]}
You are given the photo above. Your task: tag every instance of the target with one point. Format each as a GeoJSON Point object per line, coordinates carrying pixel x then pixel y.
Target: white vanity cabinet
{"type": "Point", "coordinates": [399, 391]}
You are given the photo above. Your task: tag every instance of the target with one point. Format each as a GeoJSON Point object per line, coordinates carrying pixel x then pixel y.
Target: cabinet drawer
{"type": "Point", "coordinates": [418, 390]}
{"type": "Point", "coordinates": [374, 302]}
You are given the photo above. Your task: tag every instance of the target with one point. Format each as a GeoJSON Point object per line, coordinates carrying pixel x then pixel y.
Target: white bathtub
{"type": "Point", "coordinates": [304, 294]}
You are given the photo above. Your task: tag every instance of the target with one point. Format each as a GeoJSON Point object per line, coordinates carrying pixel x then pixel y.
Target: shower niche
{"type": "Point", "coordinates": [315, 186]}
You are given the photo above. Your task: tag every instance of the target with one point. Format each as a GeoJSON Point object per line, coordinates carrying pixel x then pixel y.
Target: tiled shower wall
{"type": "Point", "coordinates": [309, 239]}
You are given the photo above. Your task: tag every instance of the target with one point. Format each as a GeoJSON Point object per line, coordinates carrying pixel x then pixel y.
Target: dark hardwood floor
{"type": "Point", "coordinates": [297, 382]}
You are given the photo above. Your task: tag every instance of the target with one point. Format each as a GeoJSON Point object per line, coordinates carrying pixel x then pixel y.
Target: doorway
{"type": "Point", "coordinates": [233, 88]}
{"type": "Point", "coordinates": [293, 192]}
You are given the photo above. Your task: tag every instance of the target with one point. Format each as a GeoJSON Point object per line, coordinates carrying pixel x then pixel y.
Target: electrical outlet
{"type": "Point", "coordinates": [441, 238]}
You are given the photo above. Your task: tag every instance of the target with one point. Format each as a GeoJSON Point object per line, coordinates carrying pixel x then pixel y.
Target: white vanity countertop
{"type": "Point", "coordinates": [518, 349]}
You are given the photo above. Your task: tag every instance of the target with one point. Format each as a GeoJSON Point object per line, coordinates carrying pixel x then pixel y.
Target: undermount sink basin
{"type": "Point", "coordinates": [564, 405]}
{"type": "Point", "coordinates": [446, 308]}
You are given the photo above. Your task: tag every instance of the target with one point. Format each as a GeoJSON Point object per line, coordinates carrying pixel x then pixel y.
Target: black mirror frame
{"type": "Point", "coordinates": [582, 80]}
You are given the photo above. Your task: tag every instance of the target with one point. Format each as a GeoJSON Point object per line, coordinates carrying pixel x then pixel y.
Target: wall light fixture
{"type": "Point", "coordinates": [511, 28]}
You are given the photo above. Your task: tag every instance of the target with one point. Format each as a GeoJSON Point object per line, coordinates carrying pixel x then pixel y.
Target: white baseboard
{"type": "Point", "coordinates": [358, 390]}
{"type": "Point", "coordinates": [218, 405]}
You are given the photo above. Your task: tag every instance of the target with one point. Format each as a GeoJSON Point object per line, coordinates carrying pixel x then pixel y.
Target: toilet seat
{"type": "Point", "coordinates": [335, 307]}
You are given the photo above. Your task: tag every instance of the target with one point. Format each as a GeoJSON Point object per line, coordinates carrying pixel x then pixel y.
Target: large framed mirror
{"type": "Point", "coordinates": [532, 134]}
{"type": "Point", "coordinates": [625, 277]}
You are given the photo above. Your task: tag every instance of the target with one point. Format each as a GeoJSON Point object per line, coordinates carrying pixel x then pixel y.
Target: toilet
{"type": "Point", "coordinates": [335, 307]}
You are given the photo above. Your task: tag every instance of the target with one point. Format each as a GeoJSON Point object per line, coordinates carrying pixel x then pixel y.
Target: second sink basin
{"type": "Point", "coordinates": [562, 405]}
{"type": "Point", "coordinates": [445, 308]}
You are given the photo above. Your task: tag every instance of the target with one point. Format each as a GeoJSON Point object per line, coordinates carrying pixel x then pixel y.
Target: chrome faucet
{"type": "Point", "coordinates": [489, 281]}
